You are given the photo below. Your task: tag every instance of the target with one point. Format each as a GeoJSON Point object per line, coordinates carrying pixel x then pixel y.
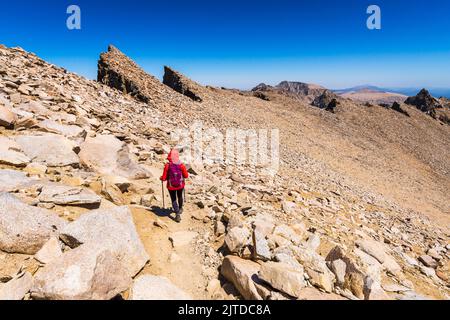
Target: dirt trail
{"type": "Point", "coordinates": [177, 264]}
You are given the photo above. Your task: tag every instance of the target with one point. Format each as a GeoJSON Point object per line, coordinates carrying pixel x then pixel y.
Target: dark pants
{"type": "Point", "coordinates": [174, 195]}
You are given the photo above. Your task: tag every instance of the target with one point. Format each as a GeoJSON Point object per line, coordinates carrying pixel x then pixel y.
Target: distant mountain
{"type": "Point", "coordinates": [300, 90]}
{"type": "Point", "coordinates": [411, 91]}
{"type": "Point", "coordinates": [360, 88]}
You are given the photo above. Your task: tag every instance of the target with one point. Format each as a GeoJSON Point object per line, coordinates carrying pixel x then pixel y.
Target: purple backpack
{"type": "Point", "coordinates": [175, 175]}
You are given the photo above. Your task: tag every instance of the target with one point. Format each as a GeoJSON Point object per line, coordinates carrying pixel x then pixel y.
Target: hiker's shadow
{"type": "Point", "coordinates": [162, 212]}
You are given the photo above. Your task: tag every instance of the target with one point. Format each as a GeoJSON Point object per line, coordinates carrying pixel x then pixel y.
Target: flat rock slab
{"type": "Point", "coordinates": [71, 131]}
{"type": "Point", "coordinates": [114, 230]}
{"type": "Point", "coordinates": [11, 154]}
{"type": "Point", "coordinates": [108, 155]}
{"type": "Point", "coordinates": [88, 272]}
{"type": "Point", "coordinates": [51, 149]}
{"type": "Point", "coordinates": [182, 238]}
{"type": "Point", "coordinates": [66, 195]}
{"type": "Point", "coordinates": [11, 180]}
{"type": "Point", "coordinates": [23, 228]}
{"type": "Point", "coordinates": [148, 287]}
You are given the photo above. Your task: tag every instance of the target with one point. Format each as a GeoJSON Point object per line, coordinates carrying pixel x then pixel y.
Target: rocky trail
{"type": "Point", "coordinates": [358, 210]}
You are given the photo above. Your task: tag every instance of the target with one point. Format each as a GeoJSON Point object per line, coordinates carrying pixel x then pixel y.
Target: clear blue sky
{"type": "Point", "coordinates": [241, 43]}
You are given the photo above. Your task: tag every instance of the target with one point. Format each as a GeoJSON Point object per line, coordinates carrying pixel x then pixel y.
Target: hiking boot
{"type": "Point", "coordinates": [178, 218]}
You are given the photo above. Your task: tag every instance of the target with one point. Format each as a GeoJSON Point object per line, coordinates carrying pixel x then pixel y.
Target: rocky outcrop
{"type": "Point", "coordinates": [181, 84]}
{"type": "Point", "coordinates": [118, 71]}
{"type": "Point", "coordinates": [300, 88]}
{"type": "Point", "coordinates": [327, 100]}
{"type": "Point", "coordinates": [262, 87]}
{"type": "Point", "coordinates": [291, 88]}
{"type": "Point", "coordinates": [425, 102]}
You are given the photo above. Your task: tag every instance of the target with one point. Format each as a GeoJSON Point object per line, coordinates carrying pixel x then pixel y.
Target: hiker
{"type": "Point", "coordinates": [174, 173]}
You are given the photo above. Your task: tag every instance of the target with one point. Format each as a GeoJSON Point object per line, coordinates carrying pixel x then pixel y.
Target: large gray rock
{"type": "Point", "coordinates": [244, 276]}
{"type": "Point", "coordinates": [23, 228]}
{"type": "Point", "coordinates": [10, 153]}
{"type": "Point", "coordinates": [89, 272]}
{"type": "Point", "coordinates": [66, 195]}
{"type": "Point", "coordinates": [50, 149]}
{"type": "Point", "coordinates": [11, 180]}
{"type": "Point", "coordinates": [16, 288]}
{"type": "Point", "coordinates": [114, 229]}
{"type": "Point", "coordinates": [108, 155]}
{"type": "Point", "coordinates": [283, 277]}
{"type": "Point", "coordinates": [148, 287]}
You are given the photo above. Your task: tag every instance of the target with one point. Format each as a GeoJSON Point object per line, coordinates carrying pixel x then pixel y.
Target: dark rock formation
{"type": "Point", "coordinates": [300, 88]}
{"type": "Point", "coordinates": [327, 100]}
{"type": "Point", "coordinates": [118, 71]}
{"type": "Point", "coordinates": [424, 102]}
{"type": "Point", "coordinates": [262, 87]}
{"type": "Point", "coordinates": [107, 74]}
{"type": "Point", "coordinates": [181, 84]}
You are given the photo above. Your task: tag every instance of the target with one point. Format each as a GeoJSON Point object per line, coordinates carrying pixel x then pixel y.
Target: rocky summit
{"type": "Point", "coordinates": [357, 210]}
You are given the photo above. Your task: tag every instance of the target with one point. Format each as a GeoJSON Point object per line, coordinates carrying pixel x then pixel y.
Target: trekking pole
{"type": "Point", "coordinates": [163, 198]}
